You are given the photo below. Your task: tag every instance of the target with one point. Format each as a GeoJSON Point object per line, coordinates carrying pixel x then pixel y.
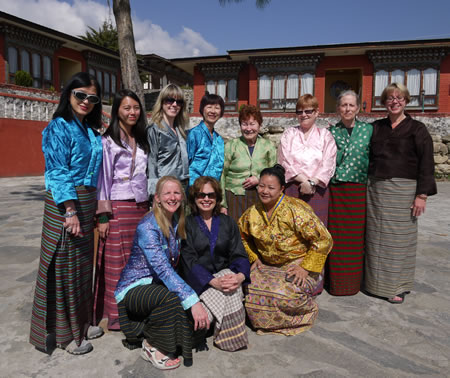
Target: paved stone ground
{"type": "Point", "coordinates": [358, 336]}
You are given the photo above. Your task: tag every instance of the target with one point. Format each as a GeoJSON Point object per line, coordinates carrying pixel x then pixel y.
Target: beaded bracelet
{"type": "Point", "coordinates": [103, 218]}
{"type": "Point", "coordinates": [70, 214]}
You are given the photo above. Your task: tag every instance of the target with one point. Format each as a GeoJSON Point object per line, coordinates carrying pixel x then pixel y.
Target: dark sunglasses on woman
{"type": "Point", "coordinates": [93, 99]}
{"type": "Point", "coordinates": [171, 100]}
{"type": "Point", "coordinates": [202, 195]}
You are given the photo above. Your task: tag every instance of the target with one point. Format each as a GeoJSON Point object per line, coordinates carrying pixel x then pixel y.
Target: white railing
{"type": "Point", "coordinates": [19, 107]}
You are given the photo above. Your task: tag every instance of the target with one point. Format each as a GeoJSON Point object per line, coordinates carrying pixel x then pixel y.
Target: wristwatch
{"type": "Point", "coordinates": [312, 183]}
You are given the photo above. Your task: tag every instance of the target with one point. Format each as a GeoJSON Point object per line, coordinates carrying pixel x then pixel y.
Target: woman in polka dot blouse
{"type": "Point", "coordinates": [347, 205]}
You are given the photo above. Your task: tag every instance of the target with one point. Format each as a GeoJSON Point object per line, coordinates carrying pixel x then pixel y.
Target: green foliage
{"type": "Point", "coordinates": [105, 36]}
{"type": "Point", "coordinates": [23, 78]}
{"type": "Point", "coordinates": [442, 176]}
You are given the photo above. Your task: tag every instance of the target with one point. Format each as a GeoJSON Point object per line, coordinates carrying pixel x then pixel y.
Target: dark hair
{"type": "Point", "coordinates": [212, 99]}
{"type": "Point", "coordinates": [197, 187]}
{"type": "Point", "coordinates": [64, 109]}
{"type": "Point", "coordinates": [248, 111]}
{"type": "Point", "coordinates": [278, 171]}
{"type": "Point", "coordinates": [138, 130]}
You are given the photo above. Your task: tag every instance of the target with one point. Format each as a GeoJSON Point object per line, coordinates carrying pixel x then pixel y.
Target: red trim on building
{"type": "Point", "coordinates": [444, 85]}
{"type": "Point", "coordinates": [199, 88]}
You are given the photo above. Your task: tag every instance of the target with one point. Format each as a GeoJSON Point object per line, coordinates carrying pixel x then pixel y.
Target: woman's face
{"type": "Point", "coordinates": [269, 190]}
{"type": "Point", "coordinates": [82, 108]}
{"type": "Point", "coordinates": [395, 103]}
{"type": "Point", "coordinates": [169, 198]}
{"type": "Point", "coordinates": [211, 113]}
{"type": "Point", "coordinates": [250, 129]}
{"type": "Point", "coordinates": [129, 111]}
{"type": "Point", "coordinates": [348, 108]}
{"type": "Point", "coordinates": [206, 199]}
{"type": "Point", "coordinates": [172, 106]}
{"type": "Point", "coordinates": [307, 117]}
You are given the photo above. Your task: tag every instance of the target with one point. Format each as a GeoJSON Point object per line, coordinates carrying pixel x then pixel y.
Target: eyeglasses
{"type": "Point", "coordinates": [202, 195]}
{"type": "Point", "coordinates": [392, 99]}
{"type": "Point", "coordinates": [93, 99]}
{"type": "Point", "coordinates": [171, 100]}
{"type": "Point", "coordinates": [251, 124]}
{"type": "Point", "coordinates": [307, 111]}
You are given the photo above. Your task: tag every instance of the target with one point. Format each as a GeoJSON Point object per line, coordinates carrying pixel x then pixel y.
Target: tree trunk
{"type": "Point", "coordinates": [127, 50]}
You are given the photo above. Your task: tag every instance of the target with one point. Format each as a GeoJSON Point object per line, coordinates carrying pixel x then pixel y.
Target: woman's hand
{"type": "Point", "coordinates": [305, 188]}
{"type": "Point", "coordinates": [257, 264]}
{"type": "Point", "coordinates": [224, 210]}
{"type": "Point", "coordinates": [72, 224]}
{"type": "Point", "coordinates": [418, 207]}
{"type": "Point", "coordinates": [231, 282]}
{"type": "Point", "coordinates": [250, 182]}
{"type": "Point", "coordinates": [103, 230]}
{"type": "Point", "coordinates": [200, 316]}
{"type": "Point", "coordinates": [299, 274]}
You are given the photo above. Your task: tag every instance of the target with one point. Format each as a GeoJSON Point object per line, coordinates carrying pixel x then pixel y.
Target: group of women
{"type": "Point", "coordinates": [256, 230]}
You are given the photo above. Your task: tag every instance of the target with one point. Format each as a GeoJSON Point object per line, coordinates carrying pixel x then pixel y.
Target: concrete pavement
{"type": "Point", "coordinates": [356, 336]}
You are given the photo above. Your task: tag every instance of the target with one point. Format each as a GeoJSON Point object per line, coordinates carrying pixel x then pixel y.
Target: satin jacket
{"type": "Point", "coordinates": [206, 154]}
{"type": "Point", "coordinates": [168, 155]}
{"type": "Point", "coordinates": [154, 259]}
{"type": "Point", "coordinates": [73, 156]}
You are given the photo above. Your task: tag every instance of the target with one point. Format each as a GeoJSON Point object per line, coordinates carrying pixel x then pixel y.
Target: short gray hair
{"type": "Point", "coordinates": [348, 92]}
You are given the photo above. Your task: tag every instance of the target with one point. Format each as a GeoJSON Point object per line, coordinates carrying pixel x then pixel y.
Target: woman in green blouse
{"type": "Point", "coordinates": [347, 204]}
{"type": "Point", "coordinates": [245, 158]}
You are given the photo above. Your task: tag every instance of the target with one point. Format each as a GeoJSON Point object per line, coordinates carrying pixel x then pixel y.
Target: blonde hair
{"type": "Point", "coordinates": [182, 118]}
{"type": "Point", "coordinates": [161, 219]}
{"type": "Point", "coordinates": [395, 87]}
{"type": "Point", "coordinates": [306, 101]}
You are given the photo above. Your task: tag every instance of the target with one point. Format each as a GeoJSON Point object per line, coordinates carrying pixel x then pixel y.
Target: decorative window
{"type": "Point", "coordinates": [421, 84]}
{"type": "Point", "coordinates": [113, 84]}
{"type": "Point", "coordinates": [227, 89]}
{"type": "Point", "coordinates": [36, 64]}
{"type": "Point", "coordinates": [47, 63]}
{"type": "Point", "coordinates": [100, 78]}
{"type": "Point", "coordinates": [281, 91]}
{"type": "Point", "coordinates": [13, 60]}
{"type": "Point", "coordinates": [106, 89]}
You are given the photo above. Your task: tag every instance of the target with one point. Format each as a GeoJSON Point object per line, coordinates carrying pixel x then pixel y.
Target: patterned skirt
{"type": "Point", "coordinates": [227, 310]}
{"type": "Point", "coordinates": [154, 313]}
{"type": "Point", "coordinates": [112, 257]}
{"type": "Point", "coordinates": [346, 223]}
{"type": "Point", "coordinates": [276, 306]}
{"type": "Point", "coordinates": [391, 237]}
{"type": "Point", "coordinates": [63, 296]}
{"type": "Point", "coordinates": [238, 204]}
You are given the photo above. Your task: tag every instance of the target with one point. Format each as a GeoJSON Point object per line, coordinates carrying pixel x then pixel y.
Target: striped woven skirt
{"type": "Point", "coordinates": [274, 305]}
{"type": "Point", "coordinates": [346, 223]}
{"type": "Point", "coordinates": [112, 257]}
{"type": "Point", "coordinates": [227, 312]}
{"type": "Point", "coordinates": [63, 296]}
{"type": "Point", "coordinates": [238, 204]}
{"type": "Point", "coordinates": [154, 313]}
{"type": "Point", "coordinates": [391, 237]}
{"type": "Point", "coordinates": [318, 201]}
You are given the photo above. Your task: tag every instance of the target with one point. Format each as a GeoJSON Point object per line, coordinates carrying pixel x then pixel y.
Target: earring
{"type": "Point", "coordinates": [159, 204]}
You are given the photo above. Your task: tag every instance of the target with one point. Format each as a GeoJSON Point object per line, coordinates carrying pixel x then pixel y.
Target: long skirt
{"type": "Point", "coordinates": [112, 257]}
{"type": "Point", "coordinates": [227, 310]}
{"type": "Point", "coordinates": [154, 313]}
{"type": "Point", "coordinates": [63, 296]}
{"type": "Point", "coordinates": [276, 306]}
{"type": "Point", "coordinates": [319, 203]}
{"type": "Point", "coordinates": [346, 223]}
{"type": "Point", "coordinates": [238, 204]}
{"type": "Point", "coordinates": [391, 237]}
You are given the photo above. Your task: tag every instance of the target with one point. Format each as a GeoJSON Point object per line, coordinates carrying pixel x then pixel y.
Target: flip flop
{"type": "Point", "coordinates": [149, 354]}
{"type": "Point", "coordinates": [397, 301]}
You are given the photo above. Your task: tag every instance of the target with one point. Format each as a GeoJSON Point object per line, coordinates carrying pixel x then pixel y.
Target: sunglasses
{"type": "Point", "coordinates": [202, 195]}
{"type": "Point", "coordinates": [307, 111]}
{"type": "Point", "coordinates": [171, 100]}
{"type": "Point", "coordinates": [92, 99]}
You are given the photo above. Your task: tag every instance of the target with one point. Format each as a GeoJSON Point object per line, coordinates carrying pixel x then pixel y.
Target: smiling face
{"type": "Point", "coordinates": [207, 204]}
{"type": "Point", "coordinates": [306, 121]}
{"type": "Point", "coordinates": [129, 112]}
{"type": "Point", "coordinates": [347, 109]}
{"type": "Point", "coordinates": [170, 108]}
{"type": "Point", "coordinates": [82, 108]}
{"type": "Point", "coordinates": [395, 103]}
{"type": "Point", "coordinates": [269, 190]}
{"type": "Point", "coordinates": [211, 114]}
{"type": "Point", "coordinates": [250, 129]}
{"type": "Point", "coordinates": [169, 198]}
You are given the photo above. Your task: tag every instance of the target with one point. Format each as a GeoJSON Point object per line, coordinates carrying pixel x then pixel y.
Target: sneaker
{"type": "Point", "coordinates": [94, 332]}
{"type": "Point", "coordinates": [85, 347]}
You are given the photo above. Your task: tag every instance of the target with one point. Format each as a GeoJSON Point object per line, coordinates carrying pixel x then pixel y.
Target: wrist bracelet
{"type": "Point", "coordinates": [422, 196]}
{"type": "Point", "coordinates": [70, 214]}
{"type": "Point", "coordinates": [103, 218]}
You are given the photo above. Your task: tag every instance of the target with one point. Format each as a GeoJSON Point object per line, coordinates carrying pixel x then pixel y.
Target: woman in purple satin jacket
{"type": "Point", "coordinates": [122, 198]}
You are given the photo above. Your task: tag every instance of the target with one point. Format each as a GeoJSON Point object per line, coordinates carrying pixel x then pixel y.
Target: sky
{"type": "Point", "coordinates": [187, 28]}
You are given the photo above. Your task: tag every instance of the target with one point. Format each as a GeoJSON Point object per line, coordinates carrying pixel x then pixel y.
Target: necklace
{"type": "Point", "coordinates": [172, 256]}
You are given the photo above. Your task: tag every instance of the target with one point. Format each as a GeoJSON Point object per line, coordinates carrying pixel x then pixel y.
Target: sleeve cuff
{"type": "Point", "coordinates": [190, 301]}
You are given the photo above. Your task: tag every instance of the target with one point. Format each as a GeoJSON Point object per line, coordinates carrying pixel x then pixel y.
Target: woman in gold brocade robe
{"type": "Point", "coordinates": [287, 245]}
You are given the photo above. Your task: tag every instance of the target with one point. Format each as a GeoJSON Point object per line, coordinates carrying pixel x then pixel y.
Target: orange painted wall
{"type": "Point", "coordinates": [3, 54]}
{"type": "Point", "coordinates": [20, 147]}
{"type": "Point", "coordinates": [252, 85]}
{"type": "Point", "coordinates": [199, 88]}
{"type": "Point", "coordinates": [444, 86]}
{"type": "Point", "coordinates": [64, 52]}
{"type": "Point", "coordinates": [345, 62]}
{"type": "Point", "coordinates": [243, 87]}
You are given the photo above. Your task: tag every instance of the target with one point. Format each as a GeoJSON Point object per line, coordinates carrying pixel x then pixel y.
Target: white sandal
{"type": "Point", "coordinates": [149, 354]}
